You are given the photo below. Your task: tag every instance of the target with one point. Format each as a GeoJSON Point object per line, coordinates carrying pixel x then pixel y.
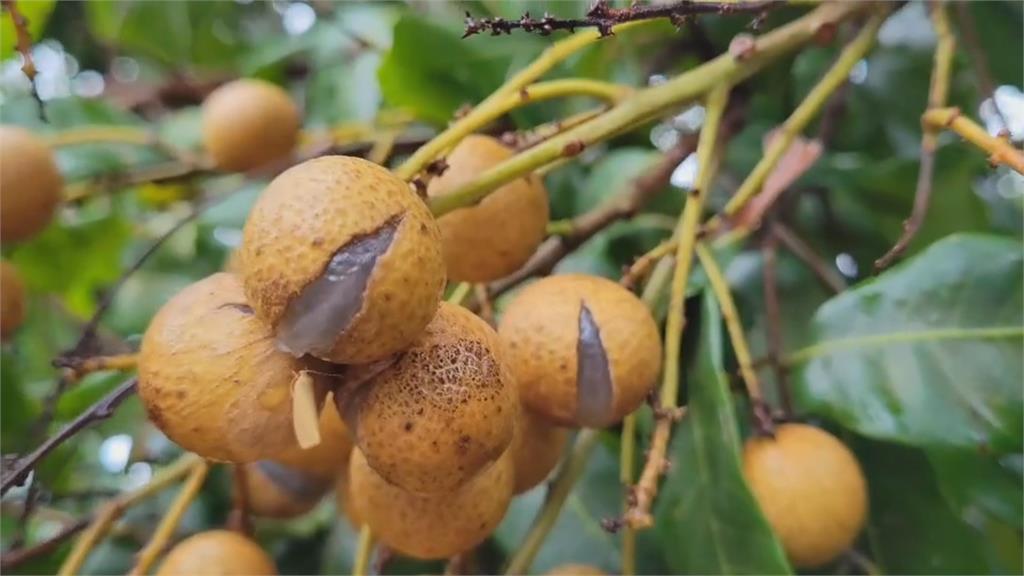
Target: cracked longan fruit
{"type": "Point", "coordinates": [495, 237]}
{"type": "Point", "coordinates": [293, 482]}
{"type": "Point", "coordinates": [432, 526]}
{"type": "Point", "coordinates": [584, 350]}
{"type": "Point", "coordinates": [30, 184]}
{"type": "Point", "coordinates": [343, 260]}
{"type": "Point", "coordinates": [811, 490]}
{"type": "Point", "coordinates": [536, 449]}
{"type": "Point", "coordinates": [12, 300]}
{"type": "Point", "coordinates": [576, 570]}
{"type": "Point", "coordinates": [217, 552]}
{"type": "Point", "coordinates": [442, 411]}
{"type": "Point", "coordinates": [248, 123]}
{"type": "Point", "coordinates": [212, 379]}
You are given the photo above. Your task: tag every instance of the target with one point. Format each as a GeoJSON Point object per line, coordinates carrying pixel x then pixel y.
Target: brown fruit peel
{"type": "Point", "coordinates": [305, 415]}
{"type": "Point", "coordinates": [300, 486]}
{"type": "Point", "coordinates": [327, 307]}
{"type": "Point", "coordinates": [595, 395]}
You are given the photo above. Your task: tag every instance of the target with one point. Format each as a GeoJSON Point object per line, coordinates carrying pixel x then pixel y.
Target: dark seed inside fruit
{"type": "Point", "coordinates": [299, 485]}
{"type": "Point", "coordinates": [594, 393]}
{"type": "Point", "coordinates": [324, 310]}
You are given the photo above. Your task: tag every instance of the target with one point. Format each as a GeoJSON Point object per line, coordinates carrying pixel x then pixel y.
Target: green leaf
{"type": "Point", "coordinates": [612, 174]}
{"type": "Point", "coordinates": [928, 353]}
{"type": "Point", "coordinates": [706, 518]}
{"type": "Point", "coordinates": [909, 526]}
{"type": "Point", "coordinates": [431, 72]}
{"type": "Point", "coordinates": [977, 485]}
{"type": "Point", "coordinates": [37, 12]}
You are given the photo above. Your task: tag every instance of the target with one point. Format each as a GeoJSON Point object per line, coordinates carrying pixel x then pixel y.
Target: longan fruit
{"type": "Point", "coordinates": [217, 552]}
{"type": "Point", "coordinates": [12, 300]}
{"type": "Point", "coordinates": [495, 237]}
{"type": "Point", "coordinates": [248, 123]}
{"type": "Point", "coordinates": [432, 526]}
{"type": "Point", "coordinates": [212, 379]}
{"type": "Point", "coordinates": [442, 411]}
{"type": "Point", "coordinates": [30, 184]}
{"type": "Point", "coordinates": [576, 570]}
{"type": "Point", "coordinates": [343, 260]}
{"type": "Point", "coordinates": [536, 449]}
{"type": "Point", "coordinates": [811, 490]}
{"type": "Point", "coordinates": [293, 482]}
{"type": "Point", "coordinates": [584, 350]}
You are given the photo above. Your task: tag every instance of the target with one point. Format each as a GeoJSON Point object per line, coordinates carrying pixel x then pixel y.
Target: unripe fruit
{"type": "Point", "coordinates": [12, 300]}
{"type": "Point", "coordinates": [584, 350]}
{"type": "Point", "coordinates": [432, 526]}
{"type": "Point", "coordinates": [811, 490]}
{"type": "Point", "coordinates": [30, 184]}
{"type": "Point", "coordinates": [443, 411]}
{"type": "Point", "coordinates": [536, 449]}
{"type": "Point", "coordinates": [576, 570]}
{"type": "Point", "coordinates": [248, 123]}
{"type": "Point", "coordinates": [212, 379]}
{"type": "Point", "coordinates": [217, 552]}
{"type": "Point", "coordinates": [343, 260]}
{"type": "Point", "coordinates": [293, 482]}
{"type": "Point", "coordinates": [495, 237]}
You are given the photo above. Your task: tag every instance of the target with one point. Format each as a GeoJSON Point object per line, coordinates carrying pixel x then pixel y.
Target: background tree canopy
{"type": "Point", "coordinates": [917, 368]}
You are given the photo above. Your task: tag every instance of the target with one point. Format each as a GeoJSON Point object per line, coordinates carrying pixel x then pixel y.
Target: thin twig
{"type": "Point", "coordinates": [484, 303]}
{"type": "Point", "coordinates": [105, 517]}
{"type": "Point", "coordinates": [1000, 151]}
{"type": "Point", "coordinates": [364, 551]}
{"type": "Point", "coordinates": [942, 69]}
{"type": "Point", "coordinates": [734, 326]}
{"type": "Point", "coordinates": [238, 519]}
{"type": "Point", "coordinates": [23, 44]}
{"type": "Point", "coordinates": [604, 17]}
{"type": "Point", "coordinates": [87, 365]}
{"type": "Point", "coordinates": [773, 320]}
{"type": "Point", "coordinates": [99, 411]}
{"type": "Point", "coordinates": [165, 530]}
{"type": "Point", "coordinates": [638, 516]}
{"type": "Point", "coordinates": [823, 271]}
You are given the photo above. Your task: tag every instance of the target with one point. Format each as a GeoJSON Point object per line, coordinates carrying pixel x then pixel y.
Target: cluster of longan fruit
{"type": "Point", "coordinates": [326, 357]}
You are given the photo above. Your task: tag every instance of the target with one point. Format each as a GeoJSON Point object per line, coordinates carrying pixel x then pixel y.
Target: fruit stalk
{"type": "Point", "coordinates": [165, 530]}
{"type": "Point", "coordinates": [364, 551]}
{"type": "Point", "coordinates": [650, 102]}
{"type": "Point", "coordinates": [113, 510]}
{"type": "Point", "coordinates": [1000, 151]}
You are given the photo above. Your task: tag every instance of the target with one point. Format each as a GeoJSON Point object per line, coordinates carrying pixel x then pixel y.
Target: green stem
{"type": "Point", "coordinates": [645, 103]}
{"type": "Point", "coordinates": [363, 552]}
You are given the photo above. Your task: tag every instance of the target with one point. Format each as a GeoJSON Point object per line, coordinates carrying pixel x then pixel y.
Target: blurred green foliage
{"type": "Point", "coordinates": [936, 421]}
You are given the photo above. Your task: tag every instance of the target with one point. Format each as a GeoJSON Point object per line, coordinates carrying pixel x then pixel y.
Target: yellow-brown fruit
{"type": "Point", "coordinates": [248, 123]}
{"type": "Point", "coordinates": [536, 449]}
{"type": "Point", "coordinates": [495, 237]}
{"type": "Point", "coordinates": [233, 263]}
{"type": "Point", "coordinates": [584, 350]}
{"type": "Point", "coordinates": [343, 260]}
{"type": "Point", "coordinates": [12, 300]}
{"type": "Point", "coordinates": [430, 526]}
{"type": "Point", "coordinates": [30, 184]}
{"type": "Point", "coordinates": [211, 378]}
{"type": "Point", "coordinates": [219, 552]}
{"type": "Point", "coordinates": [343, 498]}
{"type": "Point", "coordinates": [575, 570]}
{"type": "Point", "coordinates": [811, 490]}
{"type": "Point", "coordinates": [293, 482]}
{"type": "Point", "coordinates": [443, 411]}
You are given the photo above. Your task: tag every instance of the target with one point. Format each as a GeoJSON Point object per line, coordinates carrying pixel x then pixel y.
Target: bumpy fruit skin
{"type": "Point", "coordinates": [536, 449]}
{"type": "Point", "coordinates": [217, 552]}
{"type": "Point", "coordinates": [314, 209]}
{"type": "Point", "coordinates": [445, 409]}
{"type": "Point", "coordinates": [294, 481]}
{"type": "Point", "coordinates": [30, 184]}
{"type": "Point", "coordinates": [541, 331]}
{"type": "Point", "coordinates": [211, 378]}
{"type": "Point", "coordinates": [248, 123]}
{"type": "Point", "coordinates": [811, 490]}
{"type": "Point", "coordinates": [12, 300]}
{"type": "Point", "coordinates": [575, 570]}
{"type": "Point", "coordinates": [495, 237]}
{"type": "Point", "coordinates": [434, 525]}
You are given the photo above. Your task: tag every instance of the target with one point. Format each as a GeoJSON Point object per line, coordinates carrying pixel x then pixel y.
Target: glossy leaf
{"type": "Point", "coordinates": [707, 519]}
{"type": "Point", "coordinates": [929, 352]}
